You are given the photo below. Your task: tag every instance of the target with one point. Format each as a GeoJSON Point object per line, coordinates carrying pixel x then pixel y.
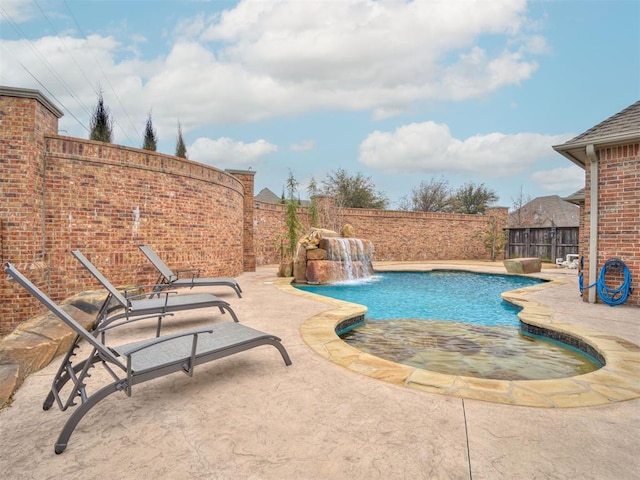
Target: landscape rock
{"type": "Point", "coordinates": [523, 265]}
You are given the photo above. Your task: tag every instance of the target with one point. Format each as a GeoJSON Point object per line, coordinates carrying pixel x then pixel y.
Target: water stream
{"type": "Point", "coordinates": [354, 257]}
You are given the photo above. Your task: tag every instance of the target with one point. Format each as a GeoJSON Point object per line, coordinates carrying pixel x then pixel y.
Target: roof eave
{"type": "Point", "coordinates": [576, 152]}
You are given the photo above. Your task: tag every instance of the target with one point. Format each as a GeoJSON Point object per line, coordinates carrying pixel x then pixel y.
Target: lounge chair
{"type": "Point", "coordinates": [139, 307]}
{"type": "Point", "coordinates": [172, 279]}
{"type": "Point", "coordinates": [137, 362]}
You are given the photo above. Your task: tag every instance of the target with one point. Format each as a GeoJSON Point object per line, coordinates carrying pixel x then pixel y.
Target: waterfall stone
{"type": "Point", "coordinates": [316, 254]}
{"type": "Point", "coordinates": [336, 259]}
{"type": "Point", "coordinates": [347, 231]}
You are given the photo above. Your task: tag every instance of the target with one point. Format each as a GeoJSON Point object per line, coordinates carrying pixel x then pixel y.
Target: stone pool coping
{"type": "Point", "coordinates": [616, 381]}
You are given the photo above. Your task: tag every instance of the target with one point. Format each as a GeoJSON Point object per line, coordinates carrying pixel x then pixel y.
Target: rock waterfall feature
{"type": "Point", "coordinates": [324, 256]}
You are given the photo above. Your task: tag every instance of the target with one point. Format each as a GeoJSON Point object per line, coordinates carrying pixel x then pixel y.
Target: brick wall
{"type": "Point", "coordinates": [269, 231]}
{"type": "Point", "coordinates": [61, 193]}
{"type": "Point", "coordinates": [106, 199]}
{"type": "Point", "coordinates": [396, 235]}
{"type": "Point", "coordinates": [618, 214]}
{"type": "Point", "coordinates": [402, 235]}
{"type": "Point", "coordinates": [247, 178]}
{"type": "Point", "coordinates": [24, 120]}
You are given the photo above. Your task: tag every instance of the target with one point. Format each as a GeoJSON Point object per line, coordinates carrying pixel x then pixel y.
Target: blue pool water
{"type": "Point", "coordinates": [454, 323]}
{"type": "Point", "coordinates": [441, 295]}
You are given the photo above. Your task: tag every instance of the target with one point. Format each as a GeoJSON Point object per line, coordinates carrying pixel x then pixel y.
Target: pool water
{"type": "Point", "coordinates": [454, 323]}
{"type": "Point", "coordinates": [443, 295]}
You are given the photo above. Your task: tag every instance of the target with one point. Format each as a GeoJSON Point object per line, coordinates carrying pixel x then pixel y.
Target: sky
{"type": "Point", "coordinates": [401, 92]}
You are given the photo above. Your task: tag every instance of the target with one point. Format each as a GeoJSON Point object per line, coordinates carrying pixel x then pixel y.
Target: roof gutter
{"type": "Point", "coordinates": [593, 219]}
{"type": "Point", "coordinates": [575, 151]}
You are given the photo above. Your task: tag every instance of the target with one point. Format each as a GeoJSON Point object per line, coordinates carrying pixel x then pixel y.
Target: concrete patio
{"type": "Point", "coordinates": [250, 417]}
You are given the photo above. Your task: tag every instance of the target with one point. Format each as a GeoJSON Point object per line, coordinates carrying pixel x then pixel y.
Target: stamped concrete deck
{"type": "Point", "coordinates": [250, 417]}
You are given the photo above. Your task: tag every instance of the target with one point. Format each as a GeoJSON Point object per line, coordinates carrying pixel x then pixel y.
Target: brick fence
{"type": "Point", "coordinates": [396, 235]}
{"type": "Point", "coordinates": [61, 193]}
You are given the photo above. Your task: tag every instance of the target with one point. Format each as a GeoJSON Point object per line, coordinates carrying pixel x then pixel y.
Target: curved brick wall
{"type": "Point", "coordinates": [106, 199]}
{"type": "Point", "coordinates": [62, 193]}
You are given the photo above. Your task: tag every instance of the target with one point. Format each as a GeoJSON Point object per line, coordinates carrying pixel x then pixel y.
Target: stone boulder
{"type": "Point", "coordinates": [327, 271]}
{"type": "Point", "coordinates": [324, 256]}
{"type": "Point", "coordinates": [347, 231]}
{"type": "Point", "coordinates": [523, 265]}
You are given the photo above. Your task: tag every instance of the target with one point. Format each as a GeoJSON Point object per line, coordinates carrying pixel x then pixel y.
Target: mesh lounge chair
{"type": "Point", "coordinates": [172, 279]}
{"type": "Point", "coordinates": [137, 362]}
{"type": "Point", "coordinates": [145, 306]}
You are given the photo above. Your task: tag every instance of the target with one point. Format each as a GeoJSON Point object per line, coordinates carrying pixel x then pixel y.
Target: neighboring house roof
{"type": "Point", "coordinates": [576, 197]}
{"type": "Point", "coordinates": [623, 127]}
{"type": "Point", "coordinates": [267, 196]}
{"type": "Point", "coordinates": [545, 212]}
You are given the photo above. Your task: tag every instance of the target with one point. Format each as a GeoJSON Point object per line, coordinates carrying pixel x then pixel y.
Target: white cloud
{"type": "Point", "coordinates": [560, 179]}
{"type": "Point", "coordinates": [430, 148]}
{"type": "Point", "coordinates": [261, 60]}
{"type": "Point", "coordinates": [16, 11]}
{"type": "Point", "coordinates": [303, 146]}
{"type": "Point", "coordinates": [378, 56]}
{"type": "Point", "coordinates": [225, 152]}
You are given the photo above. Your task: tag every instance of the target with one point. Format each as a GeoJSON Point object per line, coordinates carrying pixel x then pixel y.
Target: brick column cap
{"type": "Point", "coordinates": [29, 93]}
{"type": "Point", "coordinates": [241, 172]}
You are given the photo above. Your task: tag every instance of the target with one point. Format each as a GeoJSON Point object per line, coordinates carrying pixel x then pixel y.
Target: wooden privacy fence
{"type": "Point", "coordinates": [544, 243]}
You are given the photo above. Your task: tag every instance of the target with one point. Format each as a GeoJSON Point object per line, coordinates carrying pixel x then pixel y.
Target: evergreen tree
{"type": "Point", "coordinates": [314, 215]}
{"type": "Point", "coordinates": [150, 137]}
{"type": "Point", "coordinates": [181, 149]}
{"type": "Point", "coordinates": [101, 123]}
{"type": "Point", "coordinates": [294, 226]}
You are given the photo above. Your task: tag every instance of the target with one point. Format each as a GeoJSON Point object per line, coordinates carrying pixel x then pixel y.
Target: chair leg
{"type": "Point", "coordinates": [61, 381]}
{"type": "Point", "coordinates": [81, 411]}
{"type": "Point", "coordinates": [63, 376]}
{"type": "Point", "coordinates": [281, 349]}
{"type": "Point", "coordinates": [231, 312]}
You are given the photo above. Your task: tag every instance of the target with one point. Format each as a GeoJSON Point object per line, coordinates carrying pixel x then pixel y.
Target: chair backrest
{"type": "Point", "coordinates": [153, 257]}
{"type": "Point", "coordinates": [115, 293]}
{"type": "Point", "coordinates": [64, 316]}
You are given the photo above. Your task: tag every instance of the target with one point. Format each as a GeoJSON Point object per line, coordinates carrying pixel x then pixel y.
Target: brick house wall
{"type": "Point", "coordinates": [609, 150]}
{"type": "Point", "coordinates": [618, 215]}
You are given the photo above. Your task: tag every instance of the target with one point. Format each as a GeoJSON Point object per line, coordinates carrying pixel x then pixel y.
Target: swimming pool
{"type": "Point", "coordinates": [442, 295]}
{"type": "Point", "coordinates": [453, 322]}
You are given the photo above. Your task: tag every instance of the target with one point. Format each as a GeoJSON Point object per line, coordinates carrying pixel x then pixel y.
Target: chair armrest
{"type": "Point", "coordinates": [148, 294]}
{"type": "Point", "coordinates": [188, 367]}
{"type": "Point", "coordinates": [155, 341]}
{"type": "Point", "coordinates": [108, 323]}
